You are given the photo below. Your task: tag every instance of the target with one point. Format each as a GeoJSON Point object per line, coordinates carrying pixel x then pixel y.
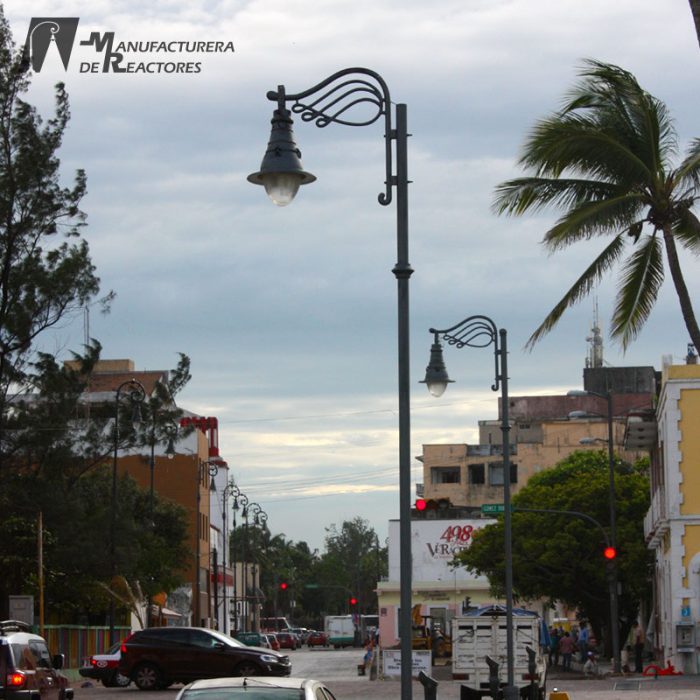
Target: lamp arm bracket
{"type": "Point", "coordinates": [475, 332]}
{"type": "Point", "coordinates": [334, 99]}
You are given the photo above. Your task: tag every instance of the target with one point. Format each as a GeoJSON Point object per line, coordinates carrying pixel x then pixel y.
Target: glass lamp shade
{"type": "Point", "coordinates": [436, 388]}
{"type": "Point", "coordinates": [281, 188]}
{"type": "Point", "coordinates": [436, 377]}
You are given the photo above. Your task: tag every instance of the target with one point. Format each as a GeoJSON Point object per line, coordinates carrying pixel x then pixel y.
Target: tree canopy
{"type": "Point", "coordinates": [606, 159]}
{"type": "Point", "coordinates": [560, 556]}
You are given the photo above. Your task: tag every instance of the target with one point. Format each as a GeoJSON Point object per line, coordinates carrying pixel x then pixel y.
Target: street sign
{"type": "Point", "coordinates": [491, 508]}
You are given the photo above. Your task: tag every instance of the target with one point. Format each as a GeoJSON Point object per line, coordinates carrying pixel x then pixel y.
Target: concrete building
{"type": "Point", "coordinates": [544, 430]}
{"type": "Point", "coordinates": [183, 477]}
{"type": "Point", "coordinates": [672, 525]}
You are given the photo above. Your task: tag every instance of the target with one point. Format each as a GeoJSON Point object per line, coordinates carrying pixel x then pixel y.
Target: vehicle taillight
{"type": "Point", "coordinates": [122, 648]}
{"type": "Point", "coordinates": [16, 680]}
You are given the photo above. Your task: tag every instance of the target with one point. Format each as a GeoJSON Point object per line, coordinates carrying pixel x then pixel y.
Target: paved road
{"type": "Point", "coordinates": [338, 668]}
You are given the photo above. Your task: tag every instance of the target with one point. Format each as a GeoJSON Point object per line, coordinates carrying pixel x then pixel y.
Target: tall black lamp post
{"type": "Point", "coordinates": [612, 563]}
{"type": "Point", "coordinates": [136, 394]}
{"type": "Point", "coordinates": [480, 332]}
{"type": "Point", "coordinates": [281, 173]}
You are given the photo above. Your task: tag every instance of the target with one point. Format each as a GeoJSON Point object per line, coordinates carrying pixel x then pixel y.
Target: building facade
{"type": "Point", "coordinates": [672, 525]}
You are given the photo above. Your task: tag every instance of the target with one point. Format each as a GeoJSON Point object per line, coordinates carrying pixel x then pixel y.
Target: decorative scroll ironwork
{"type": "Point", "coordinates": [335, 98]}
{"type": "Point", "coordinates": [474, 332]}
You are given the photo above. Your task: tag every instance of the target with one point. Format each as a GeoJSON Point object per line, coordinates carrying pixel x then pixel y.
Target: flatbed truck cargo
{"type": "Point", "coordinates": [479, 642]}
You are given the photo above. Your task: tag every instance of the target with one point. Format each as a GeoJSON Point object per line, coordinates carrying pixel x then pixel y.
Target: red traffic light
{"type": "Point", "coordinates": [283, 586]}
{"type": "Point", "coordinates": [421, 504]}
{"type": "Point", "coordinates": [353, 601]}
{"type": "Point", "coordinates": [609, 553]}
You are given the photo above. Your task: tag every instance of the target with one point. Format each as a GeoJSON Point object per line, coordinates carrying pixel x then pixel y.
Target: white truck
{"type": "Point", "coordinates": [479, 653]}
{"type": "Point", "coordinates": [341, 630]}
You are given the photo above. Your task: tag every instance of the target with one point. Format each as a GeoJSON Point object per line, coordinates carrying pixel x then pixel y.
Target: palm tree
{"type": "Point", "coordinates": [605, 160]}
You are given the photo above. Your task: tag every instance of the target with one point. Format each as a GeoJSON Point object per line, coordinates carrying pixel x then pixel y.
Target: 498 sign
{"type": "Point", "coordinates": [453, 540]}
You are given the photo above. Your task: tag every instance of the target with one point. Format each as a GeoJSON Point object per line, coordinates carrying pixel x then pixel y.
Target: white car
{"type": "Point", "coordinates": [256, 688]}
{"type": "Point", "coordinates": [104, 667]}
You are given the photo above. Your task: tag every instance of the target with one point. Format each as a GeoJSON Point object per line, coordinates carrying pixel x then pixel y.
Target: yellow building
{"type": "Point", "coordinates": [672, 525]}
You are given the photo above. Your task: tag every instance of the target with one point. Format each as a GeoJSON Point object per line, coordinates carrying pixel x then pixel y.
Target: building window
{"type": "Point", "coordinates": [496, 474]}
{"type": "Point", "coordinates": [445, 475]}
{"type": "Point", "coordinates": [477, 474]}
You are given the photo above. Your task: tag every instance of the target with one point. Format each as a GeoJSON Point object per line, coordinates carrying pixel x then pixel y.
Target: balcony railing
{"type": "Point", "coordinates": [656, 523]}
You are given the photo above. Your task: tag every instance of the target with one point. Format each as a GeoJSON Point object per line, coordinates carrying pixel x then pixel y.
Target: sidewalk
{"type": "Point", "coordinates": [630, 687]}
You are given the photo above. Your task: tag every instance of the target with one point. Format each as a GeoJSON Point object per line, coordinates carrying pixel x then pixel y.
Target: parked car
{"type": "Point", "coordinates": [273, 641]}
{"type": "Point", "coordinates": [159, 656]}
{"type": "Point", "coordinates": [287, 640]}
{"type": "Point", "coordinates": [253, 639]}
{"type": "Point", "coordinates": [27, 670]}
{"type": "Point", "coordinates": [105, 668]}
{"type": "Point", "coordinates": [257, 688]}
{"type": "Point", "coordinates": [317, 639]}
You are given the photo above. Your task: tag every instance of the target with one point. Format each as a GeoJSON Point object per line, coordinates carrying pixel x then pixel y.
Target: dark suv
{"type": "Point", "coordinates": [158, 656]}
{"type": "Point", "coordinates": [27, 671]}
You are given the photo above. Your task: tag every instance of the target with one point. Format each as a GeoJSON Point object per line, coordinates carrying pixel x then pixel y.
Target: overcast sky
{"type": "Point", "coordinates": [289, 314]}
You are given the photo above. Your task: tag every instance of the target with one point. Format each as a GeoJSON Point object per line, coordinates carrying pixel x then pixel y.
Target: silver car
{"type": "Point", "coordinates": [256, 688]}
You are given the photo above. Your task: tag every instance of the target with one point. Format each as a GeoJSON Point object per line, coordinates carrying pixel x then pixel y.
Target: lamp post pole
{"type": "Point", "coordinates": [136, 395]}
{"type": "Point", "coordinates": [281, 173]}
{"type": "Point", "coordinates": [612, 498]}
{"type": "Point", "coordinates": [480, 332]}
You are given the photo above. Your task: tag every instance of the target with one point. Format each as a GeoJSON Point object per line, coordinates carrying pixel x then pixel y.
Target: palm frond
{"type": "Point", "coordinates": [520, 194]}
{"type": "Point", "coordinates": [686, 228]}
{"type": "Point", "coordinates": [688, 173]}
{"type": "Point", "coordinates": [590, 219]}
{"type": "Point", "coordinates": [642, 276]}
{"type": "Point", "coordinates": [581, 288]}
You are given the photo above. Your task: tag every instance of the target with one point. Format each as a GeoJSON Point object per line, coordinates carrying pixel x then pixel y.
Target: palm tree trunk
{"type": "Point", "coordinates": [695, 9]}
{"type": "Point", "coordinates": [681, 290]}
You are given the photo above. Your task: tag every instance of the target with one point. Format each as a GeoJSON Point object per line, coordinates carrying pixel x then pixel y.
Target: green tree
{"type": "Point", "coordinates": [560, 556]}
{"type": "Point", "coordinates": [45, 268]}
{"type": "Point", "coordinates": [606, 159]}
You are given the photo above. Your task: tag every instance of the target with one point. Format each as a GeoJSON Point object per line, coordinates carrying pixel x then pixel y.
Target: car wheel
{"type": "Point", "coordinates": [246, 668]}
{"type": "Point", "coordinates": [148, 677]}
{"type": "Point", "coordinates": [120, 681]}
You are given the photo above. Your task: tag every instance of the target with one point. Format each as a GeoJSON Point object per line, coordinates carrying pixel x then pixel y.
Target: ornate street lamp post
{"type": "Point", "coordinates": [136, 395]}
{"type": "Point", "coordinates": [281, 173]}
{"type": "Point", "coordinates": [480, 332]}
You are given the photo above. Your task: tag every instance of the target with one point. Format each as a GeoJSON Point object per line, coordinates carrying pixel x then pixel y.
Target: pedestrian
{"type": "Point", "coordinates": [554, 647]}
{"type": "Point", "coordinates": [566, 649]}
{"type": "Point", "coordinates": [637, 635]}
{"type": "Point", "coordinates": [590, 668]}
{"type": "Point", "coordinates": [583, 637]}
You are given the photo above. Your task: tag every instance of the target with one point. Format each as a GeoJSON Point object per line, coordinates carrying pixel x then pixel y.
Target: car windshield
{"type": "Point", "coordinates": [248, 693]}
{"type": "Point", "coordinates": [230, 641]}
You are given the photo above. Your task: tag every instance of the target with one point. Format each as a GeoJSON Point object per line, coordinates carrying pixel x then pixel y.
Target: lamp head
{"type": "Point", "coordinates": [436, 378]}
{"type": "Point", "coordinates": [281, 172]}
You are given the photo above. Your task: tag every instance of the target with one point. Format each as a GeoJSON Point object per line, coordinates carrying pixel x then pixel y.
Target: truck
{"type": "Point", "coordinates": [479, 653]}
{"type": "Point", "coordinates": [341, 630]}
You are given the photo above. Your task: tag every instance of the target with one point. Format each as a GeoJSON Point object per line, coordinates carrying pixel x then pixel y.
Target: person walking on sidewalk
{"type": "Point", "coordinates": [583, 637]}
{"type": "Point", "coordinates": [637, 638]}
{"type": "Point", "coordinates": [566, 649]}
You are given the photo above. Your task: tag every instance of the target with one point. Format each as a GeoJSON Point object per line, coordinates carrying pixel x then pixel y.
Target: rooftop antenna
{"type": "Point", "coordinates": [595, 352]}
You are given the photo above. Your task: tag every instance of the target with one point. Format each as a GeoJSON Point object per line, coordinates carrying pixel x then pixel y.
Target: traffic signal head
{"type": "Point", "coordinates": [283, 586]}
{"type": "Point", "coordinates": [421, 504]}
{"type": "Point", "coordinates": [610, 553]}
{"type": "Point", "coordinates": [353, 600]}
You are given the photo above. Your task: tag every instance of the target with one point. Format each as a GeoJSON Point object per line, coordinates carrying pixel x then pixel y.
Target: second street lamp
{"type": "Point", "coordinates": [614, 612]}
{"type": "Point", "coordinates": [480, 332]}
{"type": "Point", "coordinates": [281, 173]}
